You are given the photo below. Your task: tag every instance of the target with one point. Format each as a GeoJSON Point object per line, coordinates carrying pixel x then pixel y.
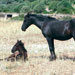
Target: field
{"type": "Point", "coordinates": [38, 52]}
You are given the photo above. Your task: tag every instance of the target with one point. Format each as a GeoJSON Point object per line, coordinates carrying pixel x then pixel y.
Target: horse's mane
{"type": "Point", "coordinates": [41, 17]}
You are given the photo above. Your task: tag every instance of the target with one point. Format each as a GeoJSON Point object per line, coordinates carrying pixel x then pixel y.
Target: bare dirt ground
{"type": "Point", "coordinates": [38, 53]}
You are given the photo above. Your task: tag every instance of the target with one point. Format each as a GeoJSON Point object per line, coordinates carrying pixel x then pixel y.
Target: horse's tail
{"type": "Point", "coordinates": [73, 27]}
{"type": "Point", "coordinates": [73, 22]}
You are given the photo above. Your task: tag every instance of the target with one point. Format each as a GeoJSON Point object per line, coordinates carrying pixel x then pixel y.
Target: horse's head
{"type": "Point", "coordinates": [18, 46]}
{"type": "Point", "coordinates": [27, 22]}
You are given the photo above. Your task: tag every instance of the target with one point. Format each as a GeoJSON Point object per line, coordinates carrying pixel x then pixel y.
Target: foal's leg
{"type": "Point", "coordinates": [51, 48]}
{"type": "Point", "coordinates": [25, 56]}
{"type": "Point", "coordinates": [13, 55]}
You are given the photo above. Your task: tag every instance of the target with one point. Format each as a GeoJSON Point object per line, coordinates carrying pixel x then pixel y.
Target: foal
{"type": "Point", "coordinates": [18, 50]}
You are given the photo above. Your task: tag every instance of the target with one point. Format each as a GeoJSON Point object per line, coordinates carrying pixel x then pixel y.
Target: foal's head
{"type": "Point", "coordinates": [18, 46]}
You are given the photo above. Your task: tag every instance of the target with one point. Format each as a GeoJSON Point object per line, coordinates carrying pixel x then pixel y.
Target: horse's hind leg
{"type": "Point", "coordinates": [73, 35]}
{"type": "Point", "coordinates": [51, 48]}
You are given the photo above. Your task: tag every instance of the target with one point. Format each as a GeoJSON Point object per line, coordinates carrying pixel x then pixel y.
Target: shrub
{"type": "Point", "coordinates": [19, 6]}
{"type": "Point", "coordinates": [25, 9]}
{"type": "Point", "coordinates": [40, 7]}
{"type": "Point", "coordinates": [65, 7]}
{"type": "Point", "coordinates": [53, 5]}
{"type": "Point", "coordinates": [31, 0]}
{"type": "Point", "coordinates": [11, 7]}
{"type": "Point", "coordinates": [73, 2]}
{"type": "Point", "coordinates": [47, 2]}
{"type": "Point", "coordinates": [3, 8]}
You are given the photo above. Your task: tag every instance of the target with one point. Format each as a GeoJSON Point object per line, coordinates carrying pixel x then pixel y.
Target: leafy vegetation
{"type": "Point", "coordinates": [65, 7]}
{"type": "Point", "coordinates": [38, 6]}
{"type": "Point", "coordinates": [20, 17]}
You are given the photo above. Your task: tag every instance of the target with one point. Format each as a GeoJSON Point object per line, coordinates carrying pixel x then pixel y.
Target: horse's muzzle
{"type": "Point", "coordinates": [23, 29]}
{"type": "Point", "coordinates": [12, 51]}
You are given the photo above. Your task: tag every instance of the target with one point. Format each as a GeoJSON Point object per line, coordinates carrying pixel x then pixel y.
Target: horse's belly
{"type": "Point", "coordinates": [62, 34]}
{"type": "Point", "coordinates": [58, 36]}
{"type": "Point", "coordinates": [63, 38]}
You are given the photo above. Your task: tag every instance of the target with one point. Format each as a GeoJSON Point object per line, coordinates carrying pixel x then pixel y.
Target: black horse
{"type": "Point", "coordinates": [51, 29]}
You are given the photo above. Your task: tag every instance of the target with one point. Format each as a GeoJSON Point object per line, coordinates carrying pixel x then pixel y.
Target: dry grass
{"type": "Point", "coordinates": [38, 52]}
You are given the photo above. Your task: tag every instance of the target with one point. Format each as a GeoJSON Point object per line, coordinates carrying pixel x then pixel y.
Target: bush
{"type": "Point", "coordinates": [40, 7]}
{"type": "Point", "coordinates": [47, 2]}
{"type": "Point", "coordinates": [25, 9]}
{"type": "Point", "coordinates": [3, 8]}
{"type": "Point", "coordinates": [65, 7]}
{"type": "Point", "coordinates": [19, 0]}
{"type": "Point", "coordinates": [73, 2]}
{"type": "Point", "coordinates": [33, 4]}
{"type": "Point", "coordinates": [31, 0]}
{"type": "Point", "coordinates": [20, 6]}
{"type": "Point", "coordinates": [53, 5]}
{"type": "Point", "coordinates": [11, 7]}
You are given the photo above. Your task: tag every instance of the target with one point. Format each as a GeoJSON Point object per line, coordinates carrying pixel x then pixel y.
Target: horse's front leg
{"type": "Point", "coordinates": [51, 48]}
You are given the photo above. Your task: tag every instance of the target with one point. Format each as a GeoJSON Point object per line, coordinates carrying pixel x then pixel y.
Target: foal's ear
{"type": "Point", "coordinates": [28, 14]}
{"type": "Point", "coordinates": [20, 40]}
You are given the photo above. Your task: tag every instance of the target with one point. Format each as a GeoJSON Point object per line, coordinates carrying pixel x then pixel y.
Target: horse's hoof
{"type": "Point", "coordinates": [52, 58]}
{"type": "Point", "coordinates": [26, 59]}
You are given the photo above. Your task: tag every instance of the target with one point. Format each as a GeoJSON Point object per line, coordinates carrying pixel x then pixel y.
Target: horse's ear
{"type": "Point", "coordinates": [28, 14]}
{"type": "Point", "coordinates": [20, 41]}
